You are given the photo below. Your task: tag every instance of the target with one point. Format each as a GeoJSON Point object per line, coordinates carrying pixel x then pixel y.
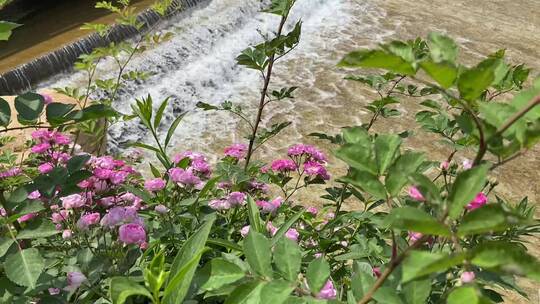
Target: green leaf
{"type": "Point", "coordinates": [276, 292]}
{"type": "Point", "coordinates": [159, 113]}
{"type": "Point", "coordinates": [317, 274]}
{"type": "Point", "coordinates": [257, 250]}
{"type": "Point", "coordinates": [386, 149]}
{"type": "Point", "coordinates": [443, 73]}
{"type": "Point", "coordinates": [488, 219]}
{"type": "Point", "coordinates": [417, 291]}
{"type": "Point", "coordinates": [286, 226]}
{"type": "Point", "coordinates": [442, 48]}
{"type": "Point", "coordinates": [288, 259]}
{"type": "Point", "coordinates": [29, 107]}
{"type": "Point", "coordinates": [6, 29]}
{"type": "Point", "coordinates": [377, 59]}
{"type": "Point", "coordinates": [368, 182]}
{"type": "Point", "coordinates": [361, 282]}
{"type": "Point", "coordinates": [473, 82]}
{"type": "Point", "coordinates": [5, 244]}
{"type": "Point", "coordinates": [355, 134]}
{"type": "Point", "coordinates": [39, 228]}
{"type": "Point", "coordinates": [56, 112]}
{"type": "Point", "coordinates": [178, 285]}
{"type": "Point", "coordinates": [24, 267]}
{"type": "Point", "coordinates": [466, 294]}
{"type": "Point", "coordinates": [280, 7]}
{"type": "Point", "coordinates": [224, 243]}
{"type": "Point", "coordinates": [172, 128]}
{"type": "Point", "coordinates": [122, 288]}
{"type": "Point", "coordinates": [467, 185]}
{"type": "Point", "coordinates": [359, 156]}
{"type": "Point", "coordinates": [191, 248]}
{"type": "Point", "coordinates": [413, 219]}
{"type": "Point", "coordinates": [422, 263]}
{"type": "Point", "coordinates": [248, 293]}
{"type": "Point", "coordinates": [5, 113]}
{"type": "Point", "coordinates": [219, 272]}
{"type": "Point", "coordinates": [399, 172]}
{"type": "Point", "coordinates": [506, 257]}
{"type": "Point", "coordinates": [77, 162]}
{"type": "Point", "coordinates": [428, 189]}
{"type": "Point", "coordinates": [254, 215]}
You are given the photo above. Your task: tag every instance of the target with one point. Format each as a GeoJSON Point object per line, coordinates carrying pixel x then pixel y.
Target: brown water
{"type": "Point", "coordinates": [198, 65]}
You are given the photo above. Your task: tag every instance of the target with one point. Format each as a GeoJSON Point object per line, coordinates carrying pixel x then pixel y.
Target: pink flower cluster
{"type": "Point", "coordinates": [479, 200]}
{"type": "Point", "coordinates": [194, 174]}
{"type": "Point", "coordinates": [234, 199]}
{"type": "Point", "coordinates": [10, 172]}
{"type": "Point", "coordinates": [291, 234]}
{"type": "Point", "coordinates": [237, 151]}
{"type": "Point", "coordinates": [312, 160]}
{"type": "Point", "coordinates": [270, 206]}
{"type": "Point", "coordinates": [46, 139]}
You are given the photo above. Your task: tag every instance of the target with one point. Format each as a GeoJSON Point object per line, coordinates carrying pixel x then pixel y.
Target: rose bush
{"type": "Point", "coordinates": [83, 228]}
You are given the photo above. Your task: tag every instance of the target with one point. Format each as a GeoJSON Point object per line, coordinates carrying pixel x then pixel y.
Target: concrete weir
{"type": "Point", "coordinates": [29, 74]}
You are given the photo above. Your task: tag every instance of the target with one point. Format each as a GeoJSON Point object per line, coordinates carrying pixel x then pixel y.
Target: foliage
{"type": "Point", "coordinates": [82, 228]}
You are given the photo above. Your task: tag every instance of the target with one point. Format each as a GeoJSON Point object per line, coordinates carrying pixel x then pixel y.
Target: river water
{"type": "Point", "coordinates": [198, 65]}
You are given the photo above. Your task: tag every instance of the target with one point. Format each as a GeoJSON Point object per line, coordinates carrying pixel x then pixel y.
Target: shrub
{"type": "Point", "coordinates": [90, 229]}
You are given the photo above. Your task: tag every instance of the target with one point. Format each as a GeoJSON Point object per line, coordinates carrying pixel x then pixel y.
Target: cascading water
{"type": "Point", "coordinates": [29, 74]}
{"type": "Point", "coordinates": [198, 64]}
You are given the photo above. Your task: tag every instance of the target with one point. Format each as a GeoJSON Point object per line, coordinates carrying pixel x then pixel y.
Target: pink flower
{"type": "Point", "coordinates": [292, 234]}
{"type": "Point", "coordinates": [47, 99]}
{"type": "Point", "coordinates": [26, 217]}
{"type": "Point", "coordinates": [244, 231]}
{"type": "Point", "coordinates": [479, 201]}
{"type": "Point", "coordinates": [104, 162]}
{"type": "Point", "coordinates": [187, 154]}
{"type": "Point", "coordinates": [467, 164]}
{"type": "Point", "coordinates": [219, 204]}
{"type": "Point", "coordinates": [310, 152]}
{"type": "Point", "coordinates": [318, 255]}
{"type": "Point", "coordinates": [415, 194]}
{"type": "Point", "coordinates": [283, 165]}
{"type": "Point", "coordinates": [60, 139]}
{"type": "Point", "coordinates": [330, 215]}
{"type": "Point", "coordinates": [59, 217]}
{"type": "Point", "coordinates": [271, 228]}
{"type": "Point", "coordinates": [313, 168]}
{"type": "Point", "coordinates": [224, 185]}
{"type": "Point", "coordinates": [67, 234]}
{"type": "Point", "coordinates": [201, 166]}
{"type": "Point", "coordinates": [376, 271]}
{"type": "Point", "coordinates": [121, 215]}
{"type": "Point", "coordinates": [34, 195]}
{"type": "Point", "coordinates": [102, 173]}
{"type": "Point", "coordinates": [74, 280]}
{"type": "Point", "coordinates": [271, 206]}
{"type": "Point", "coordinates": [45, 168]}
{"type": "Point", "coordinates": [415, 236]}
{"type": "Point", "coordinates": [161, 209]}
{"type": "Point", "coordinates": [184, 177]}
{"type": "Point", "coordinates": [328, 291]}
{"type": "Point", "coordinates": [41, 148]}
{"type": "Point", "coordinates": [143, 245]}
{"type": "Point", "coordinates": [118, 177]}
{"type": "Point", "coordinates": [237, 151]}
{"type": "Point", "coordinates": [131, 234]}
{"type": "Point", "coordinates": [236, 198]}
{"type": "Point", "coordinates": [467, 277]}
{"type": "Point", "coordinates": [73, 201]}
{"type": "Point", "coordinates": [11, 172]}
{"type": "Point", "coordinates": [313, 210]}
{"type": "Point", "coordinates": [154, 185]}
{"type": "Point", "coordinates": [445, 165]}
{"type": "Point", "coordinates": [88, 220]}
{"type": "Point", "coordinates": [53, 291]}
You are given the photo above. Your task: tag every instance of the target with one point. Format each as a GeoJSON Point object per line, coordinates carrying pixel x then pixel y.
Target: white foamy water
{"type": "Point", "coordinates": [198, 64]}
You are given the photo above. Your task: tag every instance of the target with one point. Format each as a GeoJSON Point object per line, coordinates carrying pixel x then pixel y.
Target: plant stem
{"type": "Point", "coordinates": [263, 97]}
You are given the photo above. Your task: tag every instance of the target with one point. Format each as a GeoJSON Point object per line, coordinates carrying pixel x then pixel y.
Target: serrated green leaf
{"type": "Point", "coordinates": [257, 250]}
{"type": "Point", "coordinates": [377, 59]}
{"type": "Point", "coordinates": [24, 267]}
{"type": "Point", "coordinates": [317, 274]}
{"type": "Point", "coordinates": [287, 258]}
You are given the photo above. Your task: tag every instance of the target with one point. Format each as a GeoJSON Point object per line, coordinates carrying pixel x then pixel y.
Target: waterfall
{"type": "Point", "coordinates": [28, 75]}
